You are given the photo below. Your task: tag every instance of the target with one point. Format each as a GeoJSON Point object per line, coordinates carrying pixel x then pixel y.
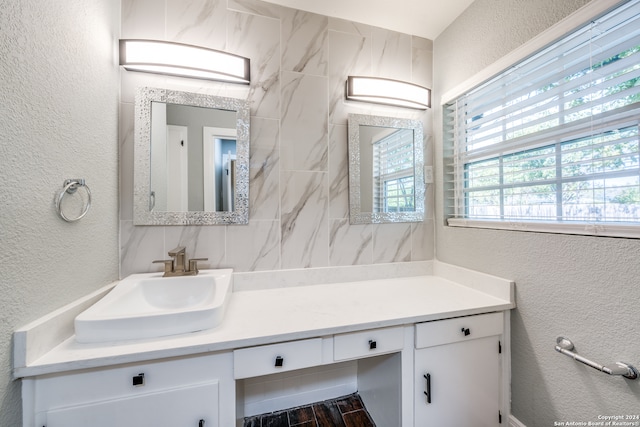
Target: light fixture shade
{"type": "Point", "coordinates": [177, 59]}
{"type": "Point", "coordinates": [389, 92]}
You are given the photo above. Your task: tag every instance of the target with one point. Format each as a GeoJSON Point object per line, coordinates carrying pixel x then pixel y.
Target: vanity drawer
{"type": "Point", "coordinates": [440, 332]}
{"type": "Point", "coordinates": [367, 343]}
{"type": "Point", "coordinates": [274, 358]}
{"type": "Point", "coordinates": [174, 407]}
{"type": "Point", "coordinates": [128, 381]}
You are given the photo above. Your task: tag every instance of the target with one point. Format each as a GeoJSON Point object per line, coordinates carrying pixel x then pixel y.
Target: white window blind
{"type": "Point", "coordinates": [393, 189]}
{"type": "Point", "coordinates": [555, 137]}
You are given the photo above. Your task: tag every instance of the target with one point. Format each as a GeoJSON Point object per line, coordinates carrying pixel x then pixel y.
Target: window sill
{"type": "Point", "coordinates": [582, 228]}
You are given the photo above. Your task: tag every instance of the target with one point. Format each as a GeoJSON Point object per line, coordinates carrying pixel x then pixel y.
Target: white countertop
{"type": "Point", "coordinates": [259, 317]}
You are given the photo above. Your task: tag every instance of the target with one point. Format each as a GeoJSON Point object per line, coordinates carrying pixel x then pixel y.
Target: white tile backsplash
{"type": "Point", "coordinates": [139, 247]}
{"type": "Point", "coordinates": [257, 280]}
{"type": "Point", "coordinates": [142, 19]}
{"type": "Point", "coordinates": [299, 160]}
{"type": "Point", "coordinates": [256, 7]}
{"type": "Point", "coordinates": [264, 167]}
{"type": "Point", "coordinates": [200, 242]}
{"type": "Point", "coordinates": [304, 139]}
{"type": "Point", "coordinates": [391, 242]}
{"type": "Point", "coordinates": [258, 38]}
{"type": "Point", "coordinates": [391, 54]}
{"type": "Point", "coordinates": [198, 22]}
{"type": "Point", "coordinates": [345, 26]}
{"type": "Point", "coordinates": [304, 42]}
{"type": "Point", "coordinates": [350, 244]}
{"type": "Point", "coordinates": [304, 219]}
{"type": "Point", "coordinates": [254, 247]}
{"type": "Point", "coordinates": [349, 54]}
{"type": "Point", "coordinates": [338, 172]}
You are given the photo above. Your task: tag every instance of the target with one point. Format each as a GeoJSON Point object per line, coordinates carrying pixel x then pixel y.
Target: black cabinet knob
{"type": "Point", "coordinates": [279, 361]}
{"type": "Point", "coordinates": [466, 331]}
{"type": "Point", "coordinates": [373, 345]}
{"type": "Point", "coordinates": [138, 380]}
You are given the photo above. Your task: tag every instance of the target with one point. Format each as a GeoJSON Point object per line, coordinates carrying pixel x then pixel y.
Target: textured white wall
{"type": "Point", "coordinates": [58, 120]}
{"type": "Point", "coordinates": [585, 288]}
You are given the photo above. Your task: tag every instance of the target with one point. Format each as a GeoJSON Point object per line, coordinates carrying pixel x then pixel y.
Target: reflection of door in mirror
{"type": "Point", "coordinates": [177, 170]}
{"type": "Point", "coordinates": [158, 175]}
{"type": "Point", "coordinates": [228, 178]}
{"type": "Point", "coordinates": [185, 178]}
{"type": "Point", "coordinates": [229, 117]}
{"type": "Point", "coordinates": [218, 143]}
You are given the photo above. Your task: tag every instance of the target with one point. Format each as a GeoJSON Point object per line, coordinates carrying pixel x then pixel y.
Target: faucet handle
{"type": "Point", "coordinates": [193, 263]}
{"type": "Point", "coordinates": [168, 265]}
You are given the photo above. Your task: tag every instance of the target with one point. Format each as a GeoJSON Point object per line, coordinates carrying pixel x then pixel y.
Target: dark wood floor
{"type": "Point", "coordinates": [346, 411]}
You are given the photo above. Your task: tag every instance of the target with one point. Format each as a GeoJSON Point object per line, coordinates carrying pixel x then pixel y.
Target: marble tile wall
{"type": "Point", "coordinates": [299, 167]}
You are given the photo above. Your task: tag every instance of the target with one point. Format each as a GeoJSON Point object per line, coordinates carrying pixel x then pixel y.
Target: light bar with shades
{"type": "Point", "coordinates": [389, 92]}
{"type": "Point", "coordinates": [177, 59]}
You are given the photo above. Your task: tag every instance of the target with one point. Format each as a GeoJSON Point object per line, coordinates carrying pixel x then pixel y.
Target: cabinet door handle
{"type": "Point", "coordinates": [428, 390]}
{"type": "Point", "coordinates": [138, 380]}
{"type": "Point", "coordinates": [201, 423]}
{"type": "Point", "coordinates": [279, 361]}
{"type": "Point", "coordinates": [466, 331]}
{"type": "Point", "coordinates": [372, 345]}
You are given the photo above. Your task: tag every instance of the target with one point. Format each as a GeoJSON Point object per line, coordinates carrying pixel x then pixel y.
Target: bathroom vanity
{"type": "Point", "coordinates": [426, 349]}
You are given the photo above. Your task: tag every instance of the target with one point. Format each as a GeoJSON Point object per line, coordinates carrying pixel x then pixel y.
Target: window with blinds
{"type": "Point", "coordinates": [555, 137]}
{"type": "Point", "coordinates": [393, 173]}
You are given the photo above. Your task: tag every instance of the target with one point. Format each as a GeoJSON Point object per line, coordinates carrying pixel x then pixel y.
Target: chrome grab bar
{"type": "Point", "coordinates": [565, 346]}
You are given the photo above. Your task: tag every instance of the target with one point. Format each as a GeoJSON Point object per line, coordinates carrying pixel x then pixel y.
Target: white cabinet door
{"type": "Point", "coordinates": [464, 384]}
{"type": "Point", "coordinates": [195, 406]}
{"type": "Point", "coordinates": [179, 392]}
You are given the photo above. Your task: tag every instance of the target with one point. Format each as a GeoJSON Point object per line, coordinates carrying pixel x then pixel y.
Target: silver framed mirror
{"type": "Point", "coordinates": [191, 158]}
{"type": "Point", "coordinates": [386, 170]}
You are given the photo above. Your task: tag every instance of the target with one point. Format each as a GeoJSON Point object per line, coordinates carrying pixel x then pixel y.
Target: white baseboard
{"type": "Point", "coordinates": [514, 422]}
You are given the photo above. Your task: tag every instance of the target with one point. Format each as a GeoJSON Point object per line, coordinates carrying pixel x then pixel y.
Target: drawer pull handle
{"type": "Point", "coordinates": [466, 331]}
{"type": "Point", "coordinates": [372, 345]}
{"type": "Point", "coordinates": [201, 423]}
{"type": "Point", "coordinates": [138, 380]}
{"type": "Point", "coordinates": [279, 361]}
{"type": "Point", "coordinates": [428, 390]}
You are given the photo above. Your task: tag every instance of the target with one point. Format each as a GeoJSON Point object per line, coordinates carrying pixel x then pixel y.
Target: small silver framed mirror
{"type": "Point", "coordinates": [386, 170]}
{"type": "Point", "coordinates": [191, 159]}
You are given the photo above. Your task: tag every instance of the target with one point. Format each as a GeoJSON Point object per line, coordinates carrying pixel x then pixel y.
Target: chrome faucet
{"type": "Point", "coordinates": [176, 266]}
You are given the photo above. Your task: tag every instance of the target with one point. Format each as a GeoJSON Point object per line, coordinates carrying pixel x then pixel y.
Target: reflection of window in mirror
{"type": "Point", "coordinates": [386, 170]}
{"type": "Point", "coordinates": [393, 173]}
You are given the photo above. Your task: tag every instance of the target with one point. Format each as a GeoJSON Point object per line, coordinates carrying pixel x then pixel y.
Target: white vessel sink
{"type": "Point", "coordinates": [151, 306]}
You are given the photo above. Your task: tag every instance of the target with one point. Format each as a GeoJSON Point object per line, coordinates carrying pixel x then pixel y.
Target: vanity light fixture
{"type": "Point", "coordinates": [183, 60]}
{"type": "Point", "coordinates": [386, 91]}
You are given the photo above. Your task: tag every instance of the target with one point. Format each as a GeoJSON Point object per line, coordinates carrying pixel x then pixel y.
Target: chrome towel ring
{"type": "Point", "coordinates": [70, 186]}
